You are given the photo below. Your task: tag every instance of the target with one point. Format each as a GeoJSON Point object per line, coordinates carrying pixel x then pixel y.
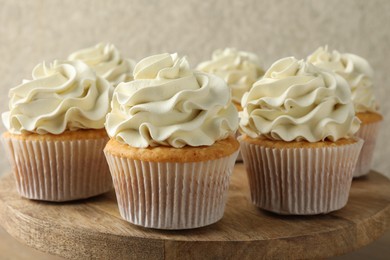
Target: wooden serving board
{"type": "Point", "coordinates": [93, 228]}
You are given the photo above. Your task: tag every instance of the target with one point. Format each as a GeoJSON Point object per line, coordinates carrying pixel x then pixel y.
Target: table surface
{"type": "Point", "coordinates": [94, 227]}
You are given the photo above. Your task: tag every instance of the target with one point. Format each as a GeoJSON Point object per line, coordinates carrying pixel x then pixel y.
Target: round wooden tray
{"type": "Point", "coordinates": [93, 228]}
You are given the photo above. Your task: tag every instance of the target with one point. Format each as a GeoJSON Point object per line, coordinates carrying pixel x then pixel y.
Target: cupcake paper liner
{"type": "Point", "coordinates": [301, 181]}
{"type": "Point", "coordinates": [369, 133]}
{"type": "Point", "coordinates": [171, 195]}
{"type": "Point", "coordinates": [59, 170]}
{"type": "Point", "coordinates": [239, 156]}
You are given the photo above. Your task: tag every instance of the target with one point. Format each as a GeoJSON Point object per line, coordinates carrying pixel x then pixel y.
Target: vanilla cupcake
{"type": "Point", "coordinates": [358, 73]}
{"type": "Point", "coordinates": [56, 133]}
{"type": "Point", "coordinates": [238, 68]}
{"type": "Point", "coordinates": [298, 146]}
{"type": "Point", "coordinates": [107, 62]}
{"type": "Point", "coordinates": [171, 152]}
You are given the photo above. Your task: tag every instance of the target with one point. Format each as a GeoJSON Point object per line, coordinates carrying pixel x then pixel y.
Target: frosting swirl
{"type": "Point", "coordinates": [356, 70]}
{"type": "Point", "coordinates": [67, 95]}
{"type": "Point", "coordinates": [169, 104]}
{"type": "Point", "coordinates": [297, 101]}
{"type": "Point", "coordinates": [238, 68]}
{"type": "Point", "coordinates": [107, 62]}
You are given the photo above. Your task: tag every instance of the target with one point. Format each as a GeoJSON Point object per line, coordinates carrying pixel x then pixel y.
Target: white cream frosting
{"type": "Point", "coordinates": [107, 62]}
{"type": "Point", "coordinates": [67, 95]}
{"type": "Point", "coordinates": [356, 70]}
{"type": "Point", "coordinates": [171, 105]}
{"type": "Point", "coordinates": [297, 101]}
{"type": "Point", "coordinates": [238, 68]}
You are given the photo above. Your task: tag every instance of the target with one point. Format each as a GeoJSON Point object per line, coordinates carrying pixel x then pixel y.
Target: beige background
{"type": "Point", "coordinates": [33, 31]}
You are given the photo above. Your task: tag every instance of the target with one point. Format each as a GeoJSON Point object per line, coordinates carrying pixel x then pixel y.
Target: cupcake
{"type": "Point", "coordinates": [297, 144]}
{"type": "Point", "coordinates": [171, 150]}
{"type": "Point", "coordinates": [107, 62]}
{"type": "Point", "coordinates": [358, 73]}
{"type": "Point", "coordinates": [238, 68]}
{"type": "Point", "coordinates": [56, 134]}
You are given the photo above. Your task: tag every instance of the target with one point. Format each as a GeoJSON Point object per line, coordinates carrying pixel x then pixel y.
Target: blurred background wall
{"type": "Point", "coordinates": [38, 30]}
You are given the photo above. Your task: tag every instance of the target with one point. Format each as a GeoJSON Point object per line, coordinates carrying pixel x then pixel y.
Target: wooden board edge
{"type": "Point", "coordinates": [60, 241]}
{"type": "Point", "coordinates": [326, 244]}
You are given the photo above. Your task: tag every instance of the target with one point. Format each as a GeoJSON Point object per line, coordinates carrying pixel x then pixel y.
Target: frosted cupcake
{"type": "Point", "coordinates": [56, 133]}
{"type": "Point", "coordinates": [358, 73]}
{"type": "Point", "coordinates": [171, 152]}
{"type": "Point", "coordinates": [297, 144]}
{"type": "Point", "coordinates": [238, 68]}
{"type": "Point", "coordinates": [107, 62]}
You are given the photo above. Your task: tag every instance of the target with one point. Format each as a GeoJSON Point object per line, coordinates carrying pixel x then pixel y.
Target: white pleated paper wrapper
{"type": "Point", "coordinates": [300, 181]}
{"type": "Point", "coordinates": [59, 170]}
{"type": "Point", "coordinates": [165, 195]}
{"type": "Point", "coordinates": [369, 133]}
{"type": "Point", "coordinates": [239, 156]}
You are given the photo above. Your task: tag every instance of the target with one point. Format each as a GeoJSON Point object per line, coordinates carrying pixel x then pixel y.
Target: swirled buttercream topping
{"type": "Point", "coordinates": [297, 101]}
{"type": "Point", "coordinates": [238, 68]}
{"type": "Point", "coordinates": [356, 70]}
{"type": "Point", "coordinates": [107, 62]}
{"type": "Point", "coordinates": [66, 95]}
{"type": "Point", "coordinates": [171, 105]}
